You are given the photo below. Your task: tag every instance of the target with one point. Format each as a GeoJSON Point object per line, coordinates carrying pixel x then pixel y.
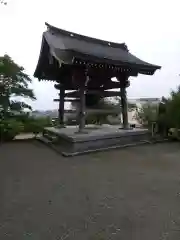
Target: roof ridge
{"type": "Point", "coordinates": [123, 46]}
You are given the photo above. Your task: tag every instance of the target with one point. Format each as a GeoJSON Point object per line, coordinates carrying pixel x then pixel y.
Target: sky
{"type": "Point", "coordinates": [149, 28]}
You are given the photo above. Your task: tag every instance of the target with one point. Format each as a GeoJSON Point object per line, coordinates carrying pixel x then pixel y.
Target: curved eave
{"type": "Point", "coordinates": [40, 60]}
{"type": "Point", "coordinates": [113, 65]}
{"type": "Point", "coordinates": [94, 50]}
{"type": "Point", "coordinates": [112, 58]}
{"type": "Point", "coordinates": [87, 38]}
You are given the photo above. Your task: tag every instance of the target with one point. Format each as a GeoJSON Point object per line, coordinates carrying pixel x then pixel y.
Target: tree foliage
{"type": "Point", "coordinates": [9, 128]}
{"type": "Point", "coordinates": [14, 82]}
{"type": "Point", "coordinates": [147, 114]}
{"type": "Point", "coordinates": [166, 114]}
{"type": "Point", "coordinates": [172, 109]}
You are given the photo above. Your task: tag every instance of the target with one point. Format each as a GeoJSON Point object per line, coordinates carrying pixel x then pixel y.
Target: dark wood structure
{"type": "Point", "coordinates": [87, 65]}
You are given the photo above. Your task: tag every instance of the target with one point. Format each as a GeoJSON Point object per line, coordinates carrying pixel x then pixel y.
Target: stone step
{"type": "Point", "coordinates": [50, 137]}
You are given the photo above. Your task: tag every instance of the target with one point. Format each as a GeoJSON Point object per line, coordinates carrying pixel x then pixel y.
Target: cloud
{"type": "Point", "coordinates": [149, 28]}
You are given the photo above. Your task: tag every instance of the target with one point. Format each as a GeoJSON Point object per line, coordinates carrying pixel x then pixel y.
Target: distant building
{"type": "Point", "coordinates": [143, 101]}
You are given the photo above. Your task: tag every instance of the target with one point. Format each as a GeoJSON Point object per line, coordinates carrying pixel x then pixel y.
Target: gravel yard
{"type": "Point", "coordinates": [130, 194]}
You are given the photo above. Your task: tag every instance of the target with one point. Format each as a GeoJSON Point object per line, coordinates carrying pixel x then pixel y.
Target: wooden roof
{"type": "Point", "coordinates": [69, 48]}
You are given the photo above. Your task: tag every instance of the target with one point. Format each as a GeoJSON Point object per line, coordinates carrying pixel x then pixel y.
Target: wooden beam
{"type": "Point", "coordinates": [71, 100]}
{"type": "Point", "coordinates": [67, 100]}
{"type": "Point", "coordinates": [111, 85]}
{"type": "Point", "coordinates": [105, 111]}
{"type": "Point", "coordinates": [107, 85]}
{"type": "Point", "coordinates": [75, 94]}
{"type": "Point", "coordinates": [67, 87]}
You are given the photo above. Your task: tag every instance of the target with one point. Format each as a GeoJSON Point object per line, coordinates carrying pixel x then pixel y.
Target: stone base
{"type": "Point", "coordinates": [69, 142]}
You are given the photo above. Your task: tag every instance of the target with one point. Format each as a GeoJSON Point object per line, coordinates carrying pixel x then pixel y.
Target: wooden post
{"type": "Point", "coordinates": [82, 92]}
{"type": "Point", "coordinates": [124, 105]}
{"type": "Point", "coordinates": [80, 79]}
{"type": "Point", "coordinates": [82, 107]}
{"type": "Point", "coordinates": [61, 107]}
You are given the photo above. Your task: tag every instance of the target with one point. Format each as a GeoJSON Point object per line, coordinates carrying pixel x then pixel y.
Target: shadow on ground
{"type": "Point", "coordinates": [131, 194]}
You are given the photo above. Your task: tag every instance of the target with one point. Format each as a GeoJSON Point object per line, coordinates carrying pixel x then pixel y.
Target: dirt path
{"type": "Point", "coordinates": [131, 194]}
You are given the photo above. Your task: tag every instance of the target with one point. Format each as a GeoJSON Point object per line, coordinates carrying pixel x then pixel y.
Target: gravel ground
{"type": "Point", "coordinates": [131, 194]}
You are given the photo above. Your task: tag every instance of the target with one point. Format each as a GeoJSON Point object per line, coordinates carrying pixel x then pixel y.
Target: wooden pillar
{"type": "Point", "coordinates": [82, 108]}
{"type": "Point", "coordinates": [61, 106]}
{"type": "Point", "coordinates": [124, 106]}
{"type": "Point", "coordinates": [80, 79]}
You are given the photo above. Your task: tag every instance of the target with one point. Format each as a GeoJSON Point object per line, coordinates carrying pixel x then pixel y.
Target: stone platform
{"type": "Point", "coordinates": [96, 138]}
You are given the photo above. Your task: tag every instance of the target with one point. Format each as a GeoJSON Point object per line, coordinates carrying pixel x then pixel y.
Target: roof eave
{"type": "Point", "coordinates": [87, 38]}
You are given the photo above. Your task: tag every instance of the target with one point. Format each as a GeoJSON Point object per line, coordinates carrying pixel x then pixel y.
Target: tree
{"type": "Point", "coordinates": [13, 83]}
{"type": "Point", "coordinates": [166, 114]}
{"type": "Point", "coordinates": [172, 106]}
{"type": "Point", "coordinates": [147, 114]}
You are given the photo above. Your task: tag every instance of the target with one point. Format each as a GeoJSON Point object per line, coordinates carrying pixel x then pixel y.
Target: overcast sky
{"type": "Point", "coordinates": [149, 28]}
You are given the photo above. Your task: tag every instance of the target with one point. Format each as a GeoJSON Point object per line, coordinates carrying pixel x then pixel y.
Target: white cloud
{"type": "Point", "coordinates": [149, 28]}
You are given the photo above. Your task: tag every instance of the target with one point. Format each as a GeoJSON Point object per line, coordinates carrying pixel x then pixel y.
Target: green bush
{"type": "Point", "coordinates": [13, 126]}
{"type": "Point", "coordinates": [174, 134]}
{"type": "Point", "coordinates": [147, 114]}
{"type": "Point", "coordinates": [9, 129]}
{"type": "Point", "coordinates": [36, 124]}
